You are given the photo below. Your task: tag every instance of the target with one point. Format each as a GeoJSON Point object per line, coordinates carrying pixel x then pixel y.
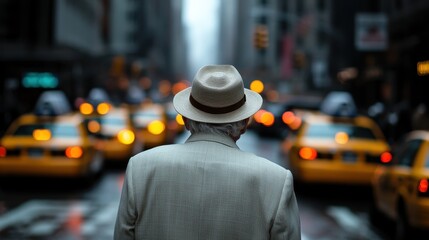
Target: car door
{"type": "Point", "coordinates": [398, 178]}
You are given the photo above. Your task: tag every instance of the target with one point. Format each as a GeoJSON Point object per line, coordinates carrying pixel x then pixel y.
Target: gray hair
{"type": "Point", "coordinates": [234, 129]}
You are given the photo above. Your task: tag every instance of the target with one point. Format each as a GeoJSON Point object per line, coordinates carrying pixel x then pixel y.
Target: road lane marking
{"type": "Point", "coordinates": [39, 218]}
{"type": "Point", "coordinates": [351, 222]}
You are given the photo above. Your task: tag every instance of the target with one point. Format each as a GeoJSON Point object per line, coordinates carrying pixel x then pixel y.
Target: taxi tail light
{"type": "Point", "coordinates": [386, 157]}
{"type": "Point", "coordinates": [3, 152]}
{"type": "Point", "coordinates": [307, 153]}
{"type": "Point", "coordinates": [74, 152]}
{"type": "Point", "coordinates": [423, 187]}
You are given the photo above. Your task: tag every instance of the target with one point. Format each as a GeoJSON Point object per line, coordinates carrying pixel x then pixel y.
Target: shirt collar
{"type": "Point", "coordinates": [225, 140]}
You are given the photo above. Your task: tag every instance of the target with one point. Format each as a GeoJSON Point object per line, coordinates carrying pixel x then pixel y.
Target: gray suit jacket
{"type": "Point", "coordinates": [206, 188]}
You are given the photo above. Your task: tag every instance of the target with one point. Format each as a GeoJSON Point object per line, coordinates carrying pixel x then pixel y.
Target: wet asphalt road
{"type": "Point", "coordinates": [65, 209]}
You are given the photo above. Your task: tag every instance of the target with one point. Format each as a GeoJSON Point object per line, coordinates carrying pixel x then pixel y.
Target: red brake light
{"type": "Point", "coordinates": [267, 119]}
{"type": "Point", "coordinates": [307, 153]}
{"type": "Point", "coordinates": [288, 117]}
{"type": "Point", "coordinates": [423, 186]}
{"type": "Point", "coordinates": [386, 157]}
{"type": "Point", "coordinates": [74, 152]}
{"type": "Point", "coordinates": [3, 151]}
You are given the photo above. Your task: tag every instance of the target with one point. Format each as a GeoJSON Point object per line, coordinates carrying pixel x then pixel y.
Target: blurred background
{"type": "Point", "coordinates": [142, 52]}
{"type": "Point", "coordinates": [370, 48]}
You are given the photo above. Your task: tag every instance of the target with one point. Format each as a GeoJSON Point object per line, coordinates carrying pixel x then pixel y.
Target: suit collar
{"type": "Point", "coordinates": [225, 140]}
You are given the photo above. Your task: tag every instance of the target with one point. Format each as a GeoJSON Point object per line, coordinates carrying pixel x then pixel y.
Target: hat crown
{"type": "Point", "coordinates": [217, 95]}
{"type": "Point", "coordinates": [217, 86]}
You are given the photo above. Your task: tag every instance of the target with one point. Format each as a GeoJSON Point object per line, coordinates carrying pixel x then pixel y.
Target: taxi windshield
{"type": "Point", "coordinates": [144, 117]}
{"type": "Point", "coordinates": [57, 130]}
{"type": "Point", "coordinates": [115, 121]}
{"type": "Point", "coordinates": [330, 130]}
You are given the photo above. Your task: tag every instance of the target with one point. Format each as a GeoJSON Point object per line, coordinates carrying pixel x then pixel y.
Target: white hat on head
{"type": "Point", "coordinates": [217, 95]}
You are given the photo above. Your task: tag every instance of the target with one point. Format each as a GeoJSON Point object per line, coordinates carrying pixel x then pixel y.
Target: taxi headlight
{"type": "Point", "coordinates": [267, 119]}
{"type": "Point", "coordinates": [103, 108]}
{"type": "Point", "coordinates": [288, 117]}
{"type": "Point", "coordinates": [126, 136]}
{"type": "Point", "coordinates": [86, 108]}
{"type": "Point", "coordinates": [179, 120]}
{"type": "Point", "coordinates": [94, 126]}
{"type": "Point", "coordinates": [156, 127]}
{"type": "Point", "coordinates": [42, 134]}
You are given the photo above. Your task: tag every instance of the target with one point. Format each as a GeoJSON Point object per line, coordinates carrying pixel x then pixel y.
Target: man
{"type": "Point", "coordinates": [207, 188]}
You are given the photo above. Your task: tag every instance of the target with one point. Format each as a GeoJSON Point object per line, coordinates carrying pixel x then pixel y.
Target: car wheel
{"type": "Point", "coordinates": [376, 217]}
{"type": "Point", "coordinates": [95, 168]}
{"type": "Point", "coordinates": [403, 228]}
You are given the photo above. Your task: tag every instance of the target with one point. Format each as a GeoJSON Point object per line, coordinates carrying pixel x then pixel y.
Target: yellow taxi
{"type": "Point", "coordinates": [114, 133]}
{"type": "Point", "coordinates": [175, 123]}
{"type": "Point", "coordinates": [401, 190]}
{"type": "Point", "coordinates": [333, 149]}
{"type": "Point", "coordinates": [49, 142]}
{"type": "Point", "coordinates": [150, 124]}
{"type": "Point", "coordinates": [277, 119]}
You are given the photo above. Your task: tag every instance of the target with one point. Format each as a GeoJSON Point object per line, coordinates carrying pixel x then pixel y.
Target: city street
{"type": "Point", "coordinates": [59, 209]}
{"type": "Point", "coordinates": [86, 84]}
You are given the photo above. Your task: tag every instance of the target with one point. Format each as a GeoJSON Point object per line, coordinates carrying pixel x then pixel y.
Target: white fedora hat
{"type": "Point", "coordinates": [217, 95]}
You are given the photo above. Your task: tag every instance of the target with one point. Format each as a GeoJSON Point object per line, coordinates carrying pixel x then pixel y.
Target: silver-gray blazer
{"type": "Point", "coordinates": [206, 188]}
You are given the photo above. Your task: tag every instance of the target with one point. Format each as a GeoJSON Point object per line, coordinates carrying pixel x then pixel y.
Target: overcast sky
{"type": "Point", "coordinates": [201, 25]}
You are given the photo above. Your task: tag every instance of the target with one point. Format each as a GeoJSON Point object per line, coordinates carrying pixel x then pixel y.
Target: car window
{"type": "Point", "coordinates": [108, 120]}
{"type": "Point", "coordinates": [144, 117]}
{"type": "Point", "coordinates": [330, 130]}
{"type": "Point", "coordinates": [426, 163]}
{"type": "Point", "coordinates": [57, 130]}
{"type": "Point", "coordinates": [406, 155]}
{"type": "Point", "coordinates": [427, 159]}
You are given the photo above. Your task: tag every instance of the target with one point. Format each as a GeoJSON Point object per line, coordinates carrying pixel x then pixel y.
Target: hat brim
{"type": "Point", "coordinates": [184, 107]}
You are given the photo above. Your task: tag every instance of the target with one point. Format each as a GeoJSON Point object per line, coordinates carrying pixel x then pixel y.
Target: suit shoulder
{"type": "Point", "coordinates": [267, 165]}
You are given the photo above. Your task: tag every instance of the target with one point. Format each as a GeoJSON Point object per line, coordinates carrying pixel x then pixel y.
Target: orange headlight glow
{"type": "Point", "coordinates": [156, 127]}
{"type": "Point", "coordinates": [179, 119]}
{"type": "Point", "coordinates": [258, 115]}
{"type": "Point", "coordinates": [288, 117]}
{"type": "Point", "coordinates": [126, 136]}
{"type": "Point", "coordinates": [296, 123]}
{"type": "Point", "coordinates": [42, 134]}
{"type": "Point", "coordinates": [267, 118]}
{"type": "Point", "coordinates": [103, 108]}
{"type": "Point", "coordinates": [341, 138]}
{"type": "Point", "coordinates": [257, 86]}
{"type": "Point", "coordinates": [94, 126]}
{"type": "Point", "coordinates": [86, 108]}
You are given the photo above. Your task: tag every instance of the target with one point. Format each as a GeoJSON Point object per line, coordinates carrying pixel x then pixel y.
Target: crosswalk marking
{"type": "Point", "coordinates": [351, 222]}
{"type": "Point", "coordinates": [38, 218]}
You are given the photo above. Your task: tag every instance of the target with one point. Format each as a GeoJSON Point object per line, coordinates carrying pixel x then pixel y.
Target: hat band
{"type": "Point", "coordinates": [217, 110]}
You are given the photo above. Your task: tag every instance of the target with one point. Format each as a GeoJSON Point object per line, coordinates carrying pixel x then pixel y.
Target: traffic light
{"type": "Point", "coordinates": [260, 38]}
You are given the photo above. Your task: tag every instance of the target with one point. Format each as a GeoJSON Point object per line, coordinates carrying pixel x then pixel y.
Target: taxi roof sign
{"type": "Point", "coordinates": [339, 103]}
{"type": "Point", "coordinates": [52, 103]}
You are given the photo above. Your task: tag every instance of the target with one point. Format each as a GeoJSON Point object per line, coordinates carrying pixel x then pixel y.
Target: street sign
{"type": "Point", "coordinates": [39, 80]}
{"type": "Point", "coordinates": [371, 33]}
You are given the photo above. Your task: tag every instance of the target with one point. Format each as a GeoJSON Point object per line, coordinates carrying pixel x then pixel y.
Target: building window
{"type": "Point", "coordinates": [321, 5]}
